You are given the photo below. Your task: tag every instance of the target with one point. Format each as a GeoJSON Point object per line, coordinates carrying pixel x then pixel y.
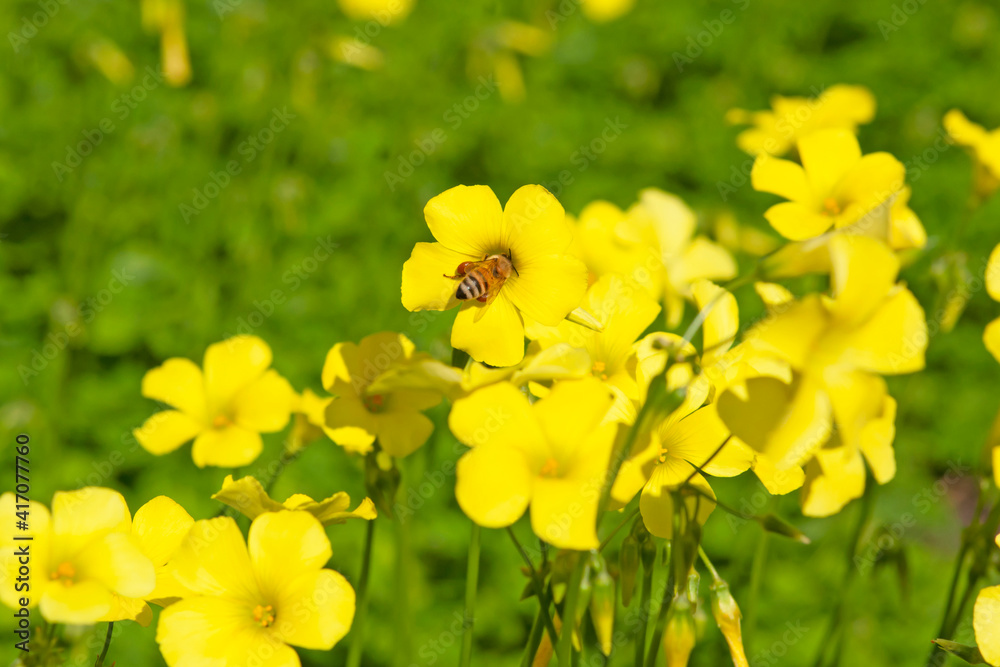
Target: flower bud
{"type": "Point", "coordinates": [773, 523]}
{"type": "Point", "coordinates": [602, 605]}
{"type": "Point", "coordinates": [628, 564]}
{"type": "Point", "coordinates": [727, 617]}
{"type": "Point", "coordinates": [693, 587]}
{"type": "Point", "coordinates": [680, 635]}
{"type": "Point", "coordinates": [969, 654]}
{"type": "Point", "coordinates": [382, 480]}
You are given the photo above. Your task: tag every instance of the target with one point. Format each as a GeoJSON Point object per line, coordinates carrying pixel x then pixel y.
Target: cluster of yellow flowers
{"type": "Point", "coordinates": [607, 407]}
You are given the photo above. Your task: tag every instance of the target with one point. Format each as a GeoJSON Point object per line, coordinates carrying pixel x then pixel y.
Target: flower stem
{"type": "Point", "coordinates": [642, 631]}
{"type": "Point", "coordinates": [534, 640]}
{"type": "Point", "coordinates": [358, 640]}
{"type": "Point", "coordinates": [614, 532]}
{"type": "Point", "coordinates": [564, 650]}
{"type": "Point", "coordinates": [471, 581]}
{"type": "Point", "coordinates": [107, 645]}
{"type": "Point", "coordinates": [536, 580]}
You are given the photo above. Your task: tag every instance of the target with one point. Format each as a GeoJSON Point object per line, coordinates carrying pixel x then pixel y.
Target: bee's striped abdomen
{"type": "Point", "coordinates": [473, 286]}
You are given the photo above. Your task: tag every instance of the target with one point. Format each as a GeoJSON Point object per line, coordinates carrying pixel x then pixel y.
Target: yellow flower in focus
{"type": "Point", "coordinates": [791, 118]}
{"type": "Point", "coordinates": [252, 601]}
{"type": "Point", "coordinates": [834, 350]}
{"type": "Point", "coordinates": [546, 283]}
{"type": "Point", "coordinates": [83, 559]}
{"type": "Point", "coordinates": [624, 311]}
{"type": "Point", "coordinates": [225, 408]}
{"type": "Point", "coordinates": [836, 186]}
{"type": "Point", "coordinates": [986, 622]}
{"type": "Point", "coordinates": [552, 455]}
{"type": "Point", "coordinates": [984, 146]}
{"type": "Point", "coordinates": [602, 11]}
{"type": "Point", "coordinates": [248, 496]}
{"type": "Point", "coordinates": [386, 12]}
{"type": "Point", "coordinates": [358, 416]}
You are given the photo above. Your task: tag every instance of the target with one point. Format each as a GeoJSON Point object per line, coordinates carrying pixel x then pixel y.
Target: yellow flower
{"type": "Point", "coordinates": [225, 409]}
{"type": "Point", "coordinates": [358, 416]}
{"type": "Point", "coordinates": [386, 12]}
{"type": "Point", "coordinates": [249, 497]}
{"type": "Point", "coordinates": [791, 118]}
{"type": "Point", "coordinates": [551, 364]}
{"type": "Point", "coordinates": [624, 311]}
{"type": "Point", "coordinates": [470, 226]}
{"type": "Point", "coordinates": [82, 558]}
{"type": "Point", "coordinates": [834, 187]}
{"type": "Point", "coordinates": [552, 455]}
{"type": "Point", "coordinates": [309, 421]}
{"type": "Point", "coordinates": [827, 355]}
{"type": "Point", "coordinates": [493, 55]}
{"type": "Point", "coordinates": [986, 622]}
{"type": "Point", "coordinates": [984, 146]}
{"type": "Point", "coordinates": [602, 11]}
{"type": "Point", "coordinates": [991, 336]}
{"type": "Point", "coordinates": [250, 604]}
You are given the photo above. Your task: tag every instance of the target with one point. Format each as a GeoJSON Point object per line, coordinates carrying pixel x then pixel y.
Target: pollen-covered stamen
{"type": "Point", "coordinates": [831, 206]}
{"type": "Point", "coordinates": [221, 421]}
{"type": "Point", "coordinates": [374, 403]}
{"type": "Point", "coordinates": [549, 468]}
{"type": "Point", "coordinates": [64, 573]}
{"type": "Point", "coordinates": [599, 369]}
{"type": "Point", "coordinates": [264, 615]}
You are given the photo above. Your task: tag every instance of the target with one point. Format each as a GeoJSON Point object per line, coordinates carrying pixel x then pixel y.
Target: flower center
{"type": "Point", "coordinates": [549, 468]}
{"type": "Point", "coordinates": [374, 403]}
{"type": "Point", "coordinates": [64, 573]}
{"type": "Point", "coordinates": [264, 615]}
{"type": "Point", "coordinates": [831, 206]}
{"type": "Point", "coordinates": [221, 421]}
{"type": "Point", "coordinates": [599, 369]}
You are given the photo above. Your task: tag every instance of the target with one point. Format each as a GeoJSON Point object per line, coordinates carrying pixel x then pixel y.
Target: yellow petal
{"type": "Point", "coordinates": [863, 271]}
{"type": "Point", "coordinates": [850, 103]}
{"type": "Point", "coordinates": [992, 274]}
{"type": "Point", "coordinates": [773, 295]}
{"type": "Point", "coordinates": [350, 424]}
{"type": "Point", "coordinates": [232, 365]}
{"type": "Point", "coordinates": [673, 220]}
{"type": "Point", "coordinates": [780, 177]}
{"type": "Point", "coordinates": [564, 512]}
{"type": "Point", "coordinates": [876, 443]}
{"type": "Point", "coordinates": [826, 156]}
{"type": "Point", "coordinates": [283, 546]}
{"type": "Point", "coordinates": [704, 259]}
{"type": "Point", "coordinates": [82, 603]}
{"type": "Point", "coordinates": [964, 131]}
{"type": "Point", "coordinates": [178, 383]}
{"type": "Point", "coordinates": [129, 609]}
{"type": "Point", "coordinates": [535, 226]}
{"type": "Point", "coordinates": [991, 338]}
{"type": "Point", "coordinates": [871, 181]}
{"type": "Point", "coordinates": [426, 285]}
{"type": "Point", "coordinates": [322, 605]}
{"type": "Point", "coordinates": [777, 482]}
{"type": "Point", "coordinates": [343, 363]}
{"type": "Point", "coordinates": [498, 414]}
{"type": "Point", "coordinates": [166, 431]}
{"type": "Point", "coordinates": [548, 287]}
{"type": "Point", "coordinates": [986, 622]}
{"type": "Point", "coordinates": [571, 413]}
{"type": "Point", "coordinates": [792, 334]}
{"type": "Point", "coordinates": [401, 432]}
{"type": "Point", "coordinates": [333, 510]}
{"type": "Point", "coordinates": [722, 322]}
{"type": "Point", "coordinates": [698, 438]}
{"type": "Point", "coordinates": [797, 221]}
{"type": "Point", "coordinates": [894, 340]}
{"type": "Point", "coordinates": [833, 479]}
{"type": "Point", "coordinates": [246, 495]}
{"type": "Point", "coordinates": [159, 527]}
{"type": "Point", "coordinates": [265, 404]}
{"type": "Point", "coordinates": [467, 220]}
{"type": "Point", "coordinates": [213, 561]}
{"type": "Point", "coordinates": [493, 484]}
{"type": "Point", "coordinates": [82, 516]}
{"type": "Point", "coordinates": [497, 338]}
{"type": "Point", "coordinates": [228, 447]}
{"type": "Point", "coordinates": [116, 562]}
{"type": "Point", "coordinates": [656, 504]}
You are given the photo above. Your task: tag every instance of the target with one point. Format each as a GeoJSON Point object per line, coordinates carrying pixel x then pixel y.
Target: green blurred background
{"type": "Point", "coordinates": [65, 236]}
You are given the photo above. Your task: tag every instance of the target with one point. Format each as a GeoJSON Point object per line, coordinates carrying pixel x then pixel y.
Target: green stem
{"type": "Point", "coordinates": [358, 640]}
{"type": "Point", "coordinates": [534, 640]}
{"type": "Point", "coordinates": [564, 649]}
{"type": "Point", "coordinates": [543, 598]}
{"type": "Point", "coordinates": [471, 582]}
{"type": "Point", "coordinates": [756, 575]}
{"type": "Point", "coordinates": [107, 645]}
{"type": "Point", "coordinates": [642, 632]}
{"type": "Point", "coordinates": [607, 540]}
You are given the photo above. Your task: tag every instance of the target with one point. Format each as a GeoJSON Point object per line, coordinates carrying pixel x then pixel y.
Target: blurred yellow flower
{"type": "Point", "coordinates": [352, 51]}
{"type": "Point", "coordinates": [602, 11]}
{"type": "Point", "coordinates": [624, 311]}
{"type": "Point", "coordinates": [552, 455]}
{"type": "Point", "coordinates": [225, 409]}
{"type": "Point", "coordinates": [836, 186]}
{"type": "Point", "coordinates": [248, 496]}
{"type": "Point", "coordinates": [252, 601]}
{"type": "Point", "coordinates": [357, 416]}
{"type": "Point", "coordinates": [167, 18]}
{"type": "Point", "coordinates": [386, 12]}
{"type": "Point", "coordinates": [546, 283]}
{"type": "Point", "coordinates": [983, 144]}
{"type": "Point", "coordinates": [827, 357]}
{"type": "Point", "coordinates": [309, 423]}
{"type": "Point", "coordinates": [82, 558]}
{"type": "Point", "coordinates": [774, 132]}
{"type": "Point", "coordinates": [986, 622]}
{"type": "Point", "coordinates": [494, 64]}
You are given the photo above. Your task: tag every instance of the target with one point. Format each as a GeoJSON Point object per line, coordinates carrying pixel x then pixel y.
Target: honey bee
{"type": "Point", "coordinates": [482, 280]}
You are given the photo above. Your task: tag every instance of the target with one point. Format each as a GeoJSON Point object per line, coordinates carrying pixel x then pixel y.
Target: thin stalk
{"type": "Point", "coordinates": [668, 593]}
{"type": "Point", "coordinates": [607, 540]}
{"type": "Point", "coordinates": [642, 632]}
{"type": "Point", "coordinates": [471, 582]}
{"type": "Point", "coordinates": [107, 645]}
{"type": "Point", "coordinates": [536, 580]}
{"type": "Point", "coordinates": [564, 649]}
{"type": "Point", "coordinates": [534, 640]}
{"type": "Point", "coordinates": [756, 576]}
{"type": "Point", "coordinates": [358, 635]}
{"type": "Point", "coordinates": [708, 564]}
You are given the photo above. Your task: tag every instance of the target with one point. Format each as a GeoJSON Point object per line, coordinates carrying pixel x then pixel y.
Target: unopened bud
{"type": "Point", "coordinates": [680, 635]}
{"type": "Point", "coordinates": [773, 523]}
{"type": "Point", "coordinates": [602, 605]}
{"type": "Point", "coordinates": [693, 587]}
{"type": "Point", "coordinates": [382, 480]}
{"type": "Point", "coordinates": [969, 654]}
{"type": "Point", "coordinates": [727, 617]}
{"type": "Point", "coordinates": [628, 564]}
{"type": "Point", "coordinates": [585, 319]}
